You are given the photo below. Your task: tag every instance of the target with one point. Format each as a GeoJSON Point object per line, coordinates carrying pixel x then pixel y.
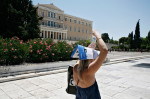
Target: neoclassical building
{"type": "Point", "coordinates": [60, 26]}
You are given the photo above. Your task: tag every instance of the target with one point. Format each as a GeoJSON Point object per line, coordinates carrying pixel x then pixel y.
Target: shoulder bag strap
{"type": "Point", "coordinates": [78, 82]}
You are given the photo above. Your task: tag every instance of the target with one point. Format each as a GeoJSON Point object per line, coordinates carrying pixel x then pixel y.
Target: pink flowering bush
{"type": "Point", "coordinates": [65, 50]}
{"type": "Point", "coordinates": [12, 51]}
{"type": "Point", "coordinates": [42, 50]}
{"type": "Point", "coordinates": [82, 42]}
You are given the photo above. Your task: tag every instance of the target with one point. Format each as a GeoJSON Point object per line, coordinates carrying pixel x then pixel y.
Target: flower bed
{"type": "Point", "coordinates": [14, 51]}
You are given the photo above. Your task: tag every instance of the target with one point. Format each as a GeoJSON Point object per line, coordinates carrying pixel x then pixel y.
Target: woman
{"type": "Point", "coordinates": [84, 72]}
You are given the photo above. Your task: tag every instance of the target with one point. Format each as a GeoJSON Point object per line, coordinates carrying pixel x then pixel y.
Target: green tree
{"type": "Point", "coordinates": [130, 40]}
{"type": "Point", "coordinates": [123, 40]}
{"type": "Point", "coordinates": [137, 39]}
{"type": "Point", "coordinates": [105, 37]}
{"type": "Point", "coordinates": [144, 43]}
{"type": "Point", "coordinates": [111, 40]}
{"type": "Point", "coordinates": [20, 19]}
{"type": "Point", "coordinates": [148, 37]}
{"type": "Point", "coordinates": [115, 42]}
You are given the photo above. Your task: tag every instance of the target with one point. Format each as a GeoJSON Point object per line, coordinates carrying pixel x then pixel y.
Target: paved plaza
{"type": "Point", "coordinates": [126, 80]}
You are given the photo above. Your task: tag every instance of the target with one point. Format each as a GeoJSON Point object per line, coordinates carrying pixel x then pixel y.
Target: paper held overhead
{"type": "Point", "coordinates": [82, 53]}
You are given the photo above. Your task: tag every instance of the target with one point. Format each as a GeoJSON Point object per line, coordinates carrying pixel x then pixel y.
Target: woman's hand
{"type": "Point", "coordinates": [92, 45]}
{"type": "Point", "coordinates": [96, 34]}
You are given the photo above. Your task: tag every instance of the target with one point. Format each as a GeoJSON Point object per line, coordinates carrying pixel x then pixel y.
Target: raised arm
{"type": "Point", "coordinates": [95, 65]}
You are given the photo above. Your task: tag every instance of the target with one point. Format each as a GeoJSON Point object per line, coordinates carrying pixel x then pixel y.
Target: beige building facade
{"type": "Point", "coordinates": [60, 26]}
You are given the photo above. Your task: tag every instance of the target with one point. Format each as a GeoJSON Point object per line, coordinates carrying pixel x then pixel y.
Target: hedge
{"type": "Point", "coordinates": [14, 51]}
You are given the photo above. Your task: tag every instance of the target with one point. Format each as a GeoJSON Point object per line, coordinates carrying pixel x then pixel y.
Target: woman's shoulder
{"type": "Point", "coordinates": [75, 67]}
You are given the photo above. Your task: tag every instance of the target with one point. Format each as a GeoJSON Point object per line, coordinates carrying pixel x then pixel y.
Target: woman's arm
{"type": "Point", "coordinates": [95, 65]}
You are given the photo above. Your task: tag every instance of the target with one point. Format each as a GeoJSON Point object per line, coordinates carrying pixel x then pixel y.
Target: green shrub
{"type": "Point", "coordinates": [12, 51]}
{"type": "Point", "coordinates": [42, 50]}
{"type": "Point", "coordinates": [82, 42]}
{"type": "Point", "coordinates": [143, 46]}
{"type": "Point", "coordinates": [148, 47]}
{"type": "Point", "coordinates": [65, 50]}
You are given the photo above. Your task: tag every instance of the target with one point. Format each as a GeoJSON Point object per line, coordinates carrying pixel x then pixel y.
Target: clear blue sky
{"type": "Point", "coordinates": [115, 17]}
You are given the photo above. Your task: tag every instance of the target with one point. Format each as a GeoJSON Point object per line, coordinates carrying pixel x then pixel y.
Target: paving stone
{"type": "Point", "coordinates": [108, 92]}
{"type": "Point", "coordinates": [1, 92]}
{"type": "Point", "coordinates": [125, 96]}
{"type": "Point", "coordinates": [18, 94]}
{"type": "Point", "coordinates": [50, 87]}
{"type": "Point", "coordinates": [9, 87]}
{"type": "Point", "coordinates": [42, 94]}
{"type": "Point", "coordinates": [105, 97]}
{"type": "Point", "coordinates": [32, 97]}
{"type": "Point", "coordinates": [63, 94]}
{"type": "Point", "coordinates": [27, 86]}
{"type": "Point", "coordinates": [37, 81]}
{"type": "Point", "coordinates": [133, 93]}
{"type": "Point", "coordinates": [3, 96]}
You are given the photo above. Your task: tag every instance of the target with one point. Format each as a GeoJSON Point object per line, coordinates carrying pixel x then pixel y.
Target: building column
{"type": "Point", "coordinates": [47, 34]}
{"type": "Point", "coordinates": [50, 34]}
{"type": "Point", "coordinates": [43, 34]}
{"type": "Point", "coordinates": [56, 35]}
{"type": "Point", "coordinates": [66, 36]}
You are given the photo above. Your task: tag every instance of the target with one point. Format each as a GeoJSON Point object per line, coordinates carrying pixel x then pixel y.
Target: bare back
{"type": "Point", "coordinates": [87, 78]}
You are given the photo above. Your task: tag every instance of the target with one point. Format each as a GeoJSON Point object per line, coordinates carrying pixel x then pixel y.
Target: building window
{"type": "Point", "coordinates": [70, 38]}
{"type": "Point", "coordinates": [82, 30]}
{"type": "Point", "coordinates": [74, 21]}
{"type": "Point", "coordinates": [89, 31]}
{"type": "Point", "coordinates": [82, 23]}
{"type": "Point", "coordinates": [54, 15]}
{"type": "Point", "coordinates": [52, 23]}
{"type": "Point", "coordinates": [49, 14]}
{"type": "Point", "coordinates": [59, 26]}
{"type": "Point", "coordinates": [70, 28]}
{"type": "Point", "coordinates": [70, 20]}
{"type": "Point", "coordinates": [90, 25]}
{"type": "Point", "coordinates": [74, 29]}
{"type": "Point", "coordinates": [42, 14]}
{"type": "Point", "coordinates": [43, 23]}
{"type": "Point", "coordinates": [79, 38]}
{"type": "Point", "coordinates": [78, 29]}
{"type": "Point", "coordinates": [86, 24]}
{"type": "Point", "coordinates": [49, 23]}
{"type": "Point", "coordinates": [59, 17]}
{"type": "Point", "coordinates": [74, 38]}
{"type": "Point", "coordinates": [86, 31]}
{"type": "Point", "coordinates": [66, 27]}
{"type": "Point", "coordinates": [65, 19]}
{"type": "Point", "coordinates": [79, 22]}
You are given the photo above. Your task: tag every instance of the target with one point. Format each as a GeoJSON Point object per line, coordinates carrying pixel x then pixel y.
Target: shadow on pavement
{"type": "Point", "coordinates": [132, 61]}
{"type": "Point", "coordinates": [144, 65]}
